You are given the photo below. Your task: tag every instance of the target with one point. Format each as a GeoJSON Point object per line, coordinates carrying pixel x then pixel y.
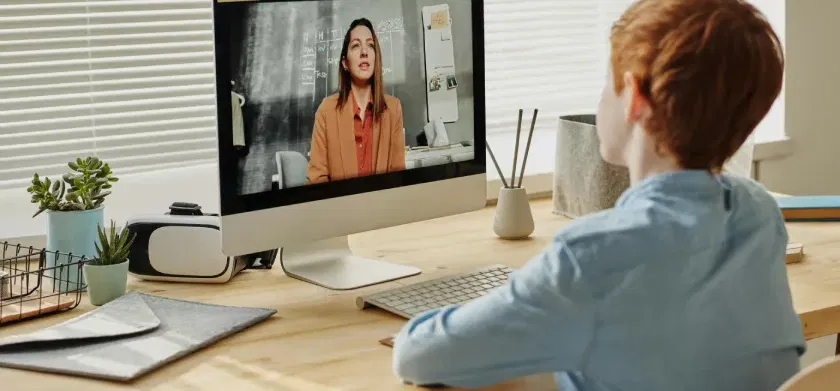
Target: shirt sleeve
{"type": "Point", "coordinates": [541, 320]}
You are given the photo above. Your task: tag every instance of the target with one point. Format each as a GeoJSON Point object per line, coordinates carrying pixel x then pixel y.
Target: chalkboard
{"type": "Point", "coordinates": [284, 59]}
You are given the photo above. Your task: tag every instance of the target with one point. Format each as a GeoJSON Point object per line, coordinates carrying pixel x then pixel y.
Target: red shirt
{"type": "Point", "coordinates": [364, 137]}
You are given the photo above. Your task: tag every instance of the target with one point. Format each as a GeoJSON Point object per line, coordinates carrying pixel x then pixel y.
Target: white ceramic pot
{"type": "Point", "coordinates": [514, 219]}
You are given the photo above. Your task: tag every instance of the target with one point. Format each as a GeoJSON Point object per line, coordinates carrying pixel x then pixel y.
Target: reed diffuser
{"type": "Point", "coordinates": [514, 219]}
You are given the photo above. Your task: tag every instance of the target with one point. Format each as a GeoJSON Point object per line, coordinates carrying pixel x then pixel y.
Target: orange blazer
{"type": "Point", "coordinates": [332, 156]}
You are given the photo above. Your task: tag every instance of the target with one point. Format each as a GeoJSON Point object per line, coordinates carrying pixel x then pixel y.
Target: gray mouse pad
{"type": "Point", "coordinates": [127, 338]}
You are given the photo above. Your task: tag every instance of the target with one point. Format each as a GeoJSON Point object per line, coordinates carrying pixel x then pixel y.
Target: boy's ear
{"type": "Point", "coordinates": [638, 106]}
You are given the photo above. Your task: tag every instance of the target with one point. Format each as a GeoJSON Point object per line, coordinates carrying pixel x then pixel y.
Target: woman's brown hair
{"type": "Point", "coordinates": [345, 79]}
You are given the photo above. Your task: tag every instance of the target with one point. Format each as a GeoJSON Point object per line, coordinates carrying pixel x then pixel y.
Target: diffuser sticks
{"type": "Point", "coordinates": [513, 184]}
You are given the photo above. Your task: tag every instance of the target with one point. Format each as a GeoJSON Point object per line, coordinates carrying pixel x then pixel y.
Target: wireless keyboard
{"type": "Point", "coordinates": [410, 300]}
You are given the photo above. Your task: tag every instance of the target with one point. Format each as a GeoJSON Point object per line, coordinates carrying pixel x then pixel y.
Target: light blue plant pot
{"type": "Point", "coordinates": [105, 282]}
{"type": "Point", "coordinates": [73, 232]}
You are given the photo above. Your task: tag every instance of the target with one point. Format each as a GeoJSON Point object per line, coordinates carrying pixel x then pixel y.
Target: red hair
{"type": "Point", "coordinates": [710, 70]}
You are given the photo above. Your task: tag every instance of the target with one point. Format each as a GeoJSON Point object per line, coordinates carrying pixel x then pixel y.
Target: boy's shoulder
{"type": "Point", "coordinates": [624, 230]}
{"type": "Point", "coordinates": [648, 226]}
{"type": "Point", "coordinates": [751, 201]}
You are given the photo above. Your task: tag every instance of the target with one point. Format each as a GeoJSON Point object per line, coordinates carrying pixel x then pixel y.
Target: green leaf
{"type": "Point", "coordinates": [113, 235]}
{"type": "Point", "coordinates": [101, 195]}
{"type": "Point", "coordinates": [73, 166]}
{"type": "Point", "coordinates": [123, 237]}
{"type": "Point", "coordinates": [103, 241]}
{"type": "Point", "coordinates": [131, 240]}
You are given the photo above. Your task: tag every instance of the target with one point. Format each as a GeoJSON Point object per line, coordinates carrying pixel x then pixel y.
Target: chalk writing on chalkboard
{"type": "Point", "coordinates": [321, 51]}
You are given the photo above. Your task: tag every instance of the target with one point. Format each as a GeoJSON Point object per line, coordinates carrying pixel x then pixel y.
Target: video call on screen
{"type": "Point", "coordinates": [291, 126]}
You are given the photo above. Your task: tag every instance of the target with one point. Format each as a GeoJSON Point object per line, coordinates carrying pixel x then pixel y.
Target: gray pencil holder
{"type": "Point", "coordinates": [583, 182]}
{"type": "Point", "coordinates": [513, 219]}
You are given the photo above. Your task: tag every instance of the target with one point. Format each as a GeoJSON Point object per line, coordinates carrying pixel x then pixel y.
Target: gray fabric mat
{"type": "Point", "coordinates": [127, 338]}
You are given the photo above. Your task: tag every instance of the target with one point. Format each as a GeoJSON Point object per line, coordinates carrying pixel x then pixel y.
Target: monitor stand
{"type": "Point", "coordinates": [331, 264]}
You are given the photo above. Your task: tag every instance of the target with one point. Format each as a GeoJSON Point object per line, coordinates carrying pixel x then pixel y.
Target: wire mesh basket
{"type": "Point", "coordinates": [36, 282]}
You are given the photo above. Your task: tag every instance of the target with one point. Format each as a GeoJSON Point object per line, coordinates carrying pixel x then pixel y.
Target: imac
{"type": "Point", "coordinates": [343, 116]}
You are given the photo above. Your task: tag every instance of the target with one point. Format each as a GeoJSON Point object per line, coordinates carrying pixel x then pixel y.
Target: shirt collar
{"type": "Point", "coordinates": [356, 108]}
{"type": "Point", "coordinates": [691, 183]}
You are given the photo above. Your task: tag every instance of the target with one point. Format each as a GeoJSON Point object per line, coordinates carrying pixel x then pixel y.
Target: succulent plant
{"type": "Point", "coordinates": [113, 250]}
{"type": "Point", "coordinates": [84, 188]}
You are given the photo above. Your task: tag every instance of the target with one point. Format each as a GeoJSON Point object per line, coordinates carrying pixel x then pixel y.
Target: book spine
{"type": "Point", "coordinates": [821, 214]}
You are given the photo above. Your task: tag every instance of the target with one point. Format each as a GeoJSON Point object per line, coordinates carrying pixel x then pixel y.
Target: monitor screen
{"type": "Point", "coordinates": [346, 96]}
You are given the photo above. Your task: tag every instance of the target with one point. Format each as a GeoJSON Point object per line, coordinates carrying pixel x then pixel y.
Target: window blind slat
{"type": "Point", "coordinates": [25, 90]}
{"type": "Point", "coordinates": [81, 16]}
{"type": "Point", "coordinates": [134, 128]}
{"type": "Point", "coordinates": [105, 119]}
{"type": "Point", "coordinates": [85, 63]}
{"type": "Point", "coordinates": [117, 73]}
{"type": "Point", "coordinates": [166, 151]}
{"type": "Point", "coordinates": [28, 7]}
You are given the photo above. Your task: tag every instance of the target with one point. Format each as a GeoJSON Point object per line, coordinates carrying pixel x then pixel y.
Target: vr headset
{"type": "Point", "coordinates": [185, 245]}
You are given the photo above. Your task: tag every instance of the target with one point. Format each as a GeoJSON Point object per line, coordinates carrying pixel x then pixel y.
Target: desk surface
{"type": "Point", "coordinates": [319, 340]}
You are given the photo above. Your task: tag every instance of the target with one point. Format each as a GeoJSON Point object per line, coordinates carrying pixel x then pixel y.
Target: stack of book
{"type": "Point", "coordinates": [810, 208]}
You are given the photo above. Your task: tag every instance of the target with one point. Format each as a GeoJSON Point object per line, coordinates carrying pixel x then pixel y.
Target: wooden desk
{"type": "Point", "coordinates": [319, 341]}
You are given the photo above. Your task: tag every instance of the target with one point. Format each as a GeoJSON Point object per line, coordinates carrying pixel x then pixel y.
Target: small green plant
{"type": "Point", "coordinates": [113, 250]}
{"type": "Point", "coordinates": [84, 188]}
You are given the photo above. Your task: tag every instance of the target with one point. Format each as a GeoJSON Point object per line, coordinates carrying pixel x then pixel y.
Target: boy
{"type": "Point", "coordinates": [682, 285]}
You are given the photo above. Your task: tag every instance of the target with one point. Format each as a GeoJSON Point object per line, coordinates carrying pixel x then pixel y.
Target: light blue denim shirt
{"type": "Point", "coordinates": [681, 286]}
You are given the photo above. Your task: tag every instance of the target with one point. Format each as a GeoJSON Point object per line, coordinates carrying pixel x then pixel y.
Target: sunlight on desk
{"type": "Point", "coordinates": [248, 377]}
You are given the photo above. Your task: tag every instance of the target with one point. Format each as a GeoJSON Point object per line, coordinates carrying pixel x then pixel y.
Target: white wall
{"type": "Point", "coordinates": [812, 83]}
{"type": "Point", "coordinates": [812, 102]}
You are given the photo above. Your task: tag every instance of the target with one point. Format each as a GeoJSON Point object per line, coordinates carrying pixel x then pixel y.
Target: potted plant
{"type": "Point", "coordinates": [74, 209]}
{"type": "Point", "coordinates": [106, 274]}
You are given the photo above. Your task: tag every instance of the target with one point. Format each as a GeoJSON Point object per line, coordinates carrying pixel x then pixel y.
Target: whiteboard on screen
{"type": "Point", "coordinates": [441, 83]}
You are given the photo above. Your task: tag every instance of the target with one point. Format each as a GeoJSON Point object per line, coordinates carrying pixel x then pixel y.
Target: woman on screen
{"type": "Point", "coordinates": [358, 130]}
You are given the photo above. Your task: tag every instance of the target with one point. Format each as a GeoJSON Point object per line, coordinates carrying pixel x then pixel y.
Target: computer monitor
{"type": "Point", "coordinates": [304, 162]}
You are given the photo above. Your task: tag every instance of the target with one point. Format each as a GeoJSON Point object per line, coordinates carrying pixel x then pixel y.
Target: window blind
{"type": "Point", "coordinates": [545, 54]}
{"type": "Point", "coordinates": [553, 55]}
{"type": "Point", "coordinates": [129, 81]}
